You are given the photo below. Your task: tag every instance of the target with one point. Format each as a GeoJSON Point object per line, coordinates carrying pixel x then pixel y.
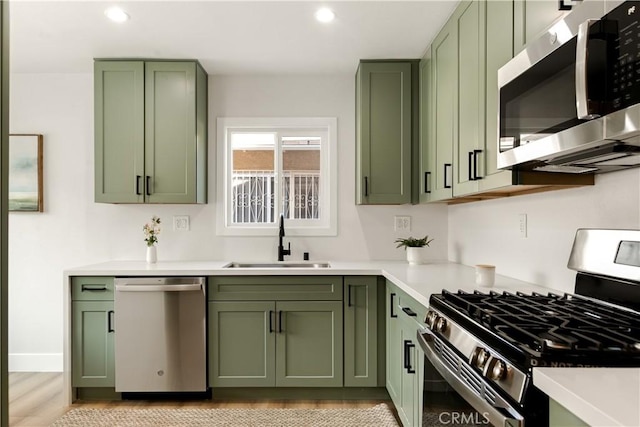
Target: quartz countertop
{"type": "Point", "coordinates": [418, 281]}
{"type": "Point", "coordinates": [598, 396]}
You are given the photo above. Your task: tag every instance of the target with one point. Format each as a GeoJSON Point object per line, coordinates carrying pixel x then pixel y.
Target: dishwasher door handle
{"type": "Point", "coordinates": [158, 288]}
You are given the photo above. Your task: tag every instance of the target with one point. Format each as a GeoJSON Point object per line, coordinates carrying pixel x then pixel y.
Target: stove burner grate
{"type": "Point", "coordinates": [539, 323]}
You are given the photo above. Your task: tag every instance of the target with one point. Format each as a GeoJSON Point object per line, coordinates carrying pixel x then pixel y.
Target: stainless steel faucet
{"type": "Point", "coordinates": [281, 250]}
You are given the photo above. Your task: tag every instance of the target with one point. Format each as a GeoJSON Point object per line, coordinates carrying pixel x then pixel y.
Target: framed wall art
{"type": "Point", "coordinates": [25, 173]}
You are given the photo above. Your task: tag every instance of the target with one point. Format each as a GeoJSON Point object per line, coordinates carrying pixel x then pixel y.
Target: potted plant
{"type": "Point", "coordinates": [414, 247]}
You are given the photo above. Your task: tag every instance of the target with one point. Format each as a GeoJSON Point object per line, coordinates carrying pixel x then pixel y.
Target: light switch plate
{"type": "Point", "coordinates": [181, 223]}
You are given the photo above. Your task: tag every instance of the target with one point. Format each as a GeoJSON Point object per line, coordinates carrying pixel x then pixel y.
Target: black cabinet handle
{"type": "Point", "coordinates": [407, 362]}
{"type": "Point", "coordinates": [348, 295]}
{"type": "Point", "coordinates": [475, 164]}
{"type": "Point", "coordinates": [409, 346]}
{"type": "Point", "coordinates": [110, 321]}
{"type": "Point", "coordinates": [446, 175]}
{"type": "Point", "coordinates": [409, 312]}
{"type": "Point", "coordinates": [93, 288]}
{"type": "Point", "coordinates": [391, 306]}
{"type": "Point", "coordinates": [366, 186]}
{"type": "Point", "coordinates": [138, 178]}
{"type": "Point", "coordinates": [280, 321]}
{"type": "Point", "coordinates": [471, 167]}
{"type": "Point", "coordinates": [148, 182]}
{"type": "Point", "coordinates": [426, 182]}
{"type": "Point", "coordinates": [270, 321]}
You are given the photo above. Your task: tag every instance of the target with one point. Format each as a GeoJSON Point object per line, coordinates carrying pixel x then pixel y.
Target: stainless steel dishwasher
{"type": "Point", "coordinates": [160, 339]}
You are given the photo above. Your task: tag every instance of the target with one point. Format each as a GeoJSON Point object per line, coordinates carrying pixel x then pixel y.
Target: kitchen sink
{"type": "Point", "coordinates": [278, 265]}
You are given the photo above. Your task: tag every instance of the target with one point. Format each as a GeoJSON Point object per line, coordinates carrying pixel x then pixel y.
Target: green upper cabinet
{"type": "Point", "coordinates": [460, 102]}
{"type": "Point", "coordinates": [385, 131]}
{"type": "Point", "coordinates": [427, 159]}
{"type": "Point", "coordinates": [444, 64]}
{"type": "Point", "coordinates": [531, 18]}
{"type": "Point", "coordinates": [150, 132]}
{"type": "Point", "coordinates": [499, 50]}
{"type": "Point", "coordinates": [360, 331]}
{"type": "Point", "coordinates": [470, 24]}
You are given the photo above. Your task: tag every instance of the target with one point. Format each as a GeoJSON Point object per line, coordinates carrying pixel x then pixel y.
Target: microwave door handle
{"type": "Point", "coordinates": [582, 96]}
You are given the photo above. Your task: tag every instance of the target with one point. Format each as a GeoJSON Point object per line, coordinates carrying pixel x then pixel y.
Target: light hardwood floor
{"type": "Point", "coordinates": [35, 400]}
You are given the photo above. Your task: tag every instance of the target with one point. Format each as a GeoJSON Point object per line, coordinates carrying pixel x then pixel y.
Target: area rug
{"type": "Point", "coordinates": [377, 416]}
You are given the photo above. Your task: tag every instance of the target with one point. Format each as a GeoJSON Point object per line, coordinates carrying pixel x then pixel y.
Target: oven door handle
{"type": "Point", "coordinates": [582, 96]}
{"type": "Point", "coordinates": [495, 414]}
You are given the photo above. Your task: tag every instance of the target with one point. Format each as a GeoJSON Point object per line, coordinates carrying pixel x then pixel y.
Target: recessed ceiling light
{"type": "Point", "coordinates": [325, 15]}
{"type": "Point", "coordinates": [116, 14]}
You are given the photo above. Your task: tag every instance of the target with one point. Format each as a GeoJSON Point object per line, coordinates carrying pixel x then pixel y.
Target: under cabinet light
{"type": "Point", "coordinates": [116, 14]}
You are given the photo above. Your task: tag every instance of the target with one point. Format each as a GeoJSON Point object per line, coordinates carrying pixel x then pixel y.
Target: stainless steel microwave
{"type": "Point", "coordinates": [570, 101]}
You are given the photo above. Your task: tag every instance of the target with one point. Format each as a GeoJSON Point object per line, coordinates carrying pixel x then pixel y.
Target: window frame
{"type": "Point", "coordinates": [326, 225]}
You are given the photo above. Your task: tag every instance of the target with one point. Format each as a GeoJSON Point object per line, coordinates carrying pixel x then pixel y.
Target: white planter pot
{"type": "Point", "coordinates": [152, 255]}
{"type": "Point", "coordinates": [416, 255]}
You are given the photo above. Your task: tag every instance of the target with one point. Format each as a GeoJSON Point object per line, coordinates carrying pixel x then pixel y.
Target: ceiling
{"type": "Point", "coordinates": [227, 37]}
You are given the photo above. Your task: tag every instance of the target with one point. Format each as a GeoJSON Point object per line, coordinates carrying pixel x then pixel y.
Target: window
{"type": "Point", "coordinates": [268, 167]}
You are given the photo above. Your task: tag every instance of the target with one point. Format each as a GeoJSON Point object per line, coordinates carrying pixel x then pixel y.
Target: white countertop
{"type": "Point", "coordinates": [598, 396]}
{"type": "Point", "coordinates": [419, 281]}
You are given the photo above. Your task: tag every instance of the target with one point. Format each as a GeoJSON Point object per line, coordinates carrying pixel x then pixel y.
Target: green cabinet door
{"type": "Point", "coordinates": [426, 158]}
{"type": "Point", "coordinates": [92, 336]}
{"type": "Point", "coordinates": [242, 339]}
{"type": "Point", "coordinates": [384, 137]}
{"type": "Point", "coordinates": [309, 344]}
{"type": "Point", "coordinates": [470, 95]}
{"type": "Point", "coordinates": [119, 131]}
{"type": "Point", "coordinates": [499, 50]}
{"type": "Point", "coordinates": [531, 18]}
{"type": "Point", "coordinates": [409, 408]}
{"type": "Point", "coordinates": [394, 347]}
{"type": "Point", "coordinates": [170, 137]}
{"type": "Point", "coordinates": [360, 331]}
{"type": "Point", "coordinates": [444, 61]}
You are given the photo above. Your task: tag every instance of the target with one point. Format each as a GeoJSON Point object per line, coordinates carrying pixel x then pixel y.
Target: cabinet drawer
{"type": "Point", "coordinates": [405, 305]}
{"type": "Point", "coordinates": [275, 288]}
{"type": "Point", "coordinates": [92, 288]}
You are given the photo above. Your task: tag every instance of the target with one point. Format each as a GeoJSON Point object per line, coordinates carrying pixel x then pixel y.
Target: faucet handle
{"type": "Point", "coordinates": [288, 250]}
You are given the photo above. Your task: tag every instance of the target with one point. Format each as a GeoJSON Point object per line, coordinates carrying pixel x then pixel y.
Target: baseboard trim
{"type": "Point", "coordinates": [35, 362]}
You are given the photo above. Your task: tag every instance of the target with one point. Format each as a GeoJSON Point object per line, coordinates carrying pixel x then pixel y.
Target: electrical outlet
{"type": "Point", "coordinates": [402, 223]}
{"type": "Point", "coordinates": [181, 223]}
{"type": "Point", "coordinates": [522, 221]}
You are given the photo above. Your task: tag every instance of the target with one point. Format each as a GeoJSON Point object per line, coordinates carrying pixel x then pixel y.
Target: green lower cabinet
{"type": "Point", "coordinates": [92, 337]}
{"type": "Point", "coordinates": [275, 344]}
{"type": "Point", "coordinates": [309, 344]}
{"type": "Point", "coordinates": [404, 359]}
{"type": "Point", "coordinates": [360, 331]}
{"type": "Point", "coordinates": [394, 347]}
{"type": "Point", "coordinates": [242, 344]}
{"type": "Point", "coordinates": [560, 416]}
{"type": "Point", "coordinates": [409, 409]}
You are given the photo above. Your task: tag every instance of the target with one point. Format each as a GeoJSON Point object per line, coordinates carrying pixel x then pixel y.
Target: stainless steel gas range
{"type": "Point", "coordinates": [486, 345]}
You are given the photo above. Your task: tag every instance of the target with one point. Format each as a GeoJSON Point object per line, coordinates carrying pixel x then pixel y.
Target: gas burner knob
{"type": "Point", "coordinates": [441, 324]}
{"type": "Point", "coordinates": [479, 357]}
{"type": "Point", "coordinates": [431, 319]}
{"type": "Point", "coordinates": [498, 371]}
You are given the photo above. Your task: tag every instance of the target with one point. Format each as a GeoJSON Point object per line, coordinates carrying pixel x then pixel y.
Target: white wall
{"type": "Point", "coordinates": [75, 231]}
{"type": "Point", "coordinates": [488, 231]}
